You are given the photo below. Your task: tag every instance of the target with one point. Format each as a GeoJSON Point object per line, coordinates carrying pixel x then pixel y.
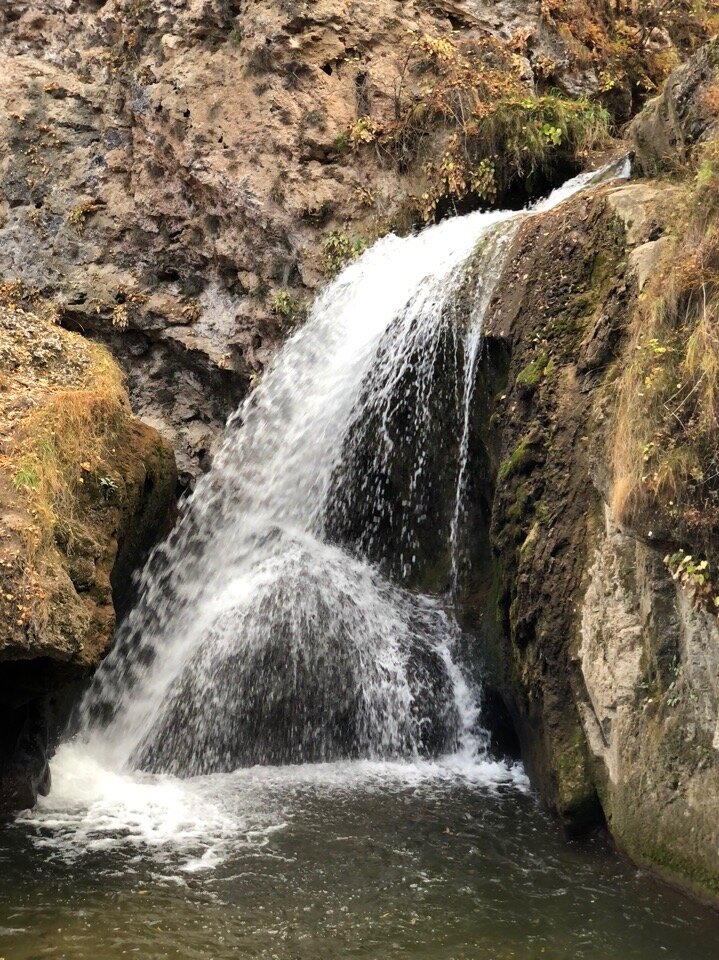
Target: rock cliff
{"type": "Point", "coordinates": [84, 488]}
{"type": "Point", "coordinates": [180, 177]}
{"type": "Point", "coordinates": [600, 594]}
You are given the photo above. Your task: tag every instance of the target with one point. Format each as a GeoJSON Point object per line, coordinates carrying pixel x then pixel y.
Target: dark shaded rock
{"type": "Point", "coordinates": [24, 755]}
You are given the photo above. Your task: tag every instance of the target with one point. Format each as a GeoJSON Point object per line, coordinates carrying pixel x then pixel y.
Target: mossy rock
{"type": "Point", "coordinates": [85, 488]}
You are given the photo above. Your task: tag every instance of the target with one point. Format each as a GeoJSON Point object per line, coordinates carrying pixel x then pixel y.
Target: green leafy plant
{"type": "Point", "coordinates": [338, 250]}
{"type": "Point", "coordinates": [25, 479]}
{"type": "Point", "coordinates": [551, 134]}
{"type": "Point", "coordinates": [695, 577]}
{"type": "Point", "coordinates": [284, 305]}
{"type": "Point", "coordinates": [80, 214]}
{"type": "Point", "coordinates": [108, 487]}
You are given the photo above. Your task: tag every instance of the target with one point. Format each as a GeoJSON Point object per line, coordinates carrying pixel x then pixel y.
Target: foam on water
{"type": "Point", "coordinates": [190, 825]}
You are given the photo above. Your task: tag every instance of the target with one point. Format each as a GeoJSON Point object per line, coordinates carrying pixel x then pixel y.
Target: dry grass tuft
{"type": "Point", "coordinates": [66, 446]}
{"type": "Point", "coordinates": [67, 406]}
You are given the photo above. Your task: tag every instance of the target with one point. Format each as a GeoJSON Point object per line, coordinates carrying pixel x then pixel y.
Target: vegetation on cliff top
{"type": "Point", "coordinates": [473, 126]}
{"type": "Point", "coordinates": [632, 44]}
{"type": "Point", "coordinates": [66, 425]}
{"type": "Point", "coordinates": [77, 475]}
{"type": "Point", "coordinates": [666, 447]}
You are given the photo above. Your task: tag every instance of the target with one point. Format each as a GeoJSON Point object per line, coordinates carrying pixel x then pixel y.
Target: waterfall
{"type": "Point", "coordinates": [280, 622]}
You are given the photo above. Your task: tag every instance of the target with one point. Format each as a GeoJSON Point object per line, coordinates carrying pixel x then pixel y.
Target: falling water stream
{"type": "Point", "coordinates": [283, 757]}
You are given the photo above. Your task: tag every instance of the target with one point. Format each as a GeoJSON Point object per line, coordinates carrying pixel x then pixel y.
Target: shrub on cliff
{"type": "Point", "coordinates": [474, 127]}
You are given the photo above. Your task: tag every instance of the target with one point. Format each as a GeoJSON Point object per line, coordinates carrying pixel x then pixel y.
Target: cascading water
{"type": "Point", "coordinates": [273, 627]}
{"type": "Point", "coordinates": [256, 638]}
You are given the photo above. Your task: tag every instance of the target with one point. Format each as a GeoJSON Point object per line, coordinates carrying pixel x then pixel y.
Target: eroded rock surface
{"type": "Point", "coordinates": [169, 171]}
{"type": "Point", "coordinates": [649, 658]}
{"type": "Point", "coordinates": [609, 663]}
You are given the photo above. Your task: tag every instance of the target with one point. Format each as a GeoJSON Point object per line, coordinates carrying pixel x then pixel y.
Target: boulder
{"type": "Point", "coordinates": [84, 490]}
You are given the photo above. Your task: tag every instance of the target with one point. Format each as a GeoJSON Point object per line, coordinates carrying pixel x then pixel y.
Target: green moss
{"type": "Point", "coordinates": [575, 786]}
{"type": "Point", "coordinates": [521, 500]}
{"type": "Point", "coordinates": [342, 142]}
{"type": "Point", "coordinates": [581, 306]}
{"type": "Point", "coordinates": [601, 269]}
{"type": "Point", "coordinates": [284, 305]}
{"type": "Point", "coordinates": [672, 861]}
{"type": "Point", "coordinates": [518, 462]}
{"type": "Point", "coordinates": [565, 325]}
{"type": "Point", "coordinates": [531, 376]}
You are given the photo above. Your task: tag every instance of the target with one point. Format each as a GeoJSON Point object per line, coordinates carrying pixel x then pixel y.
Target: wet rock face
{"type": "Point", "coordinates": [394, 493]}
{"type": "Point", "coordinates": [254, 710]}
{"type": "Point", "coordinates": [559, 313]}
{"type": "Point", "coordinates": [24, 756]}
